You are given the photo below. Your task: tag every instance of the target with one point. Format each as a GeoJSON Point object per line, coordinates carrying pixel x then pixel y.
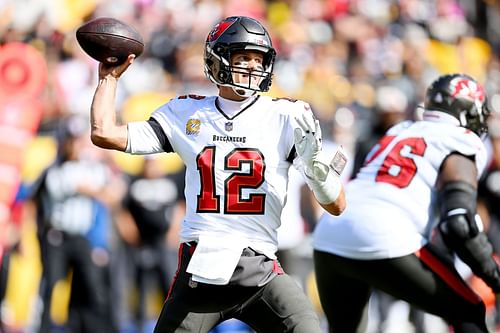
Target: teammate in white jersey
{"type": "Point", "coordinates": [237, 148]}
{"type": "Point", "coordinates": [420, 174]}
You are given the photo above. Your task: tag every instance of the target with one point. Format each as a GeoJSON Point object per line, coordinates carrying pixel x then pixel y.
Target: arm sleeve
{"type": "Point", "coordinates": [468, 144]}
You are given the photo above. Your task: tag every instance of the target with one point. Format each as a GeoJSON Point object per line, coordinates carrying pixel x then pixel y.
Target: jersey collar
{"type": "Point", "coordinates": [440, 117]}
{"type": "Point", "coordinates": [230, 109]}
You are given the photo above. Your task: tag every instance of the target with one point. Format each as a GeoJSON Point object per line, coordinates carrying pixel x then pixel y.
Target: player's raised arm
{"type": "Point", "coordinates": [115, 45]}
{"type": "Point", "coordinates": [105, 132]}
{"type": "Point", "coordinates": [321, 176]}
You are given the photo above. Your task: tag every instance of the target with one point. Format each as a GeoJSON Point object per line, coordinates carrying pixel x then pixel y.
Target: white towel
{"type": "Point", "coordinates": [215, 258]}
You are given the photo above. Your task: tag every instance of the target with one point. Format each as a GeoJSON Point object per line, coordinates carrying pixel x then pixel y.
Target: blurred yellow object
{"type": "Point", "coordinates": [132, 164]}
{"type": "Point", "coordinates": [470, 56]}
{"type": "Point", "coordinates": [60, 300]}
{"type": "Point", "coordinates": [140, 106]}
{"type": "Point", "coordinates": [25, 271]}
{"type": "Point", "coordinates": [276, 91]}
{"type": "Point", "coordinates": [137, 108]}
{"type": "Point", "coordinates": [40, 153]}
{"type": "Point", "coordinates": [71, 13]}
{"type": "Point", "coordinates": [312, 293]}
{"type": "Point", "coordinates": [278, 13]}
{"type": "Point", "coordinates": [171, 162]}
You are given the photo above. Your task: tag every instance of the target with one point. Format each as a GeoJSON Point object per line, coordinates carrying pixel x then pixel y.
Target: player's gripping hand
{"type": "Point", "coordinates": [115, 71]}
{"type": "Point", "coordinates": [308, 146]}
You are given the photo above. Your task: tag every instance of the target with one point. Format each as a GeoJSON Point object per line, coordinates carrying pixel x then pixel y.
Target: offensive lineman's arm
{"type": "Point", "coordinates": [105, 132]}
{"type": "Point", "coordinates": [457, 186]}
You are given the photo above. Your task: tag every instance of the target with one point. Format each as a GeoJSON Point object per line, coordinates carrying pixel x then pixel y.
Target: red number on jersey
{"type": "Point", "coordinates": [381, 145]}
{"type": "Point", "coordinates": [235, 184]}
{"type": "Point", "coordinates": [398, 167]}
{"type": "Point", "coordinates": [208, 201]}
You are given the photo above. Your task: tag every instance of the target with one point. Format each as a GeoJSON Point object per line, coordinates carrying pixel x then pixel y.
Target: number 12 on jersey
{"type": "Point", "coordinates": [233, 199]}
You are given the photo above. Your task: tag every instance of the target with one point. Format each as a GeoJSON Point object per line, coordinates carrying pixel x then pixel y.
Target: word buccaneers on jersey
{"type": "Point", "coordinates": [397, 183]}
{"type": "Point", "coordinates": [236, 166]}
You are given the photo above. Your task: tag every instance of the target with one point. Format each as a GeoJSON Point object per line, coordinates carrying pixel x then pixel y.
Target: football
{"type": "Point", "coordinates": [109, 40]}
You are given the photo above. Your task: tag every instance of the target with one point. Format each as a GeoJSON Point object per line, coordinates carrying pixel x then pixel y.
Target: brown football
{"type": "Point", "coordinates": [109, 40]}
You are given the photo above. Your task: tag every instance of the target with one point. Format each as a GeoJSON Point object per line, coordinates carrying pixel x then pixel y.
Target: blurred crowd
{"type": "Point", "coordinates": [361, 64]}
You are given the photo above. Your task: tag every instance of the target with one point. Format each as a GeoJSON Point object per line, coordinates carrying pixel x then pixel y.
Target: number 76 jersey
{"type": "Point", "coordinates": [236, 167]}
{"type": "Point", "coordinates": [391, 201]}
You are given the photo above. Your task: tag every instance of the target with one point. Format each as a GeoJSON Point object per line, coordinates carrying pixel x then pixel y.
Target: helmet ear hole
{"type": "Point", "coordinates": [223, 76]}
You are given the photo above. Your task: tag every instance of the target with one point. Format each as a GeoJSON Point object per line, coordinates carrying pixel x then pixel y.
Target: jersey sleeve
{"type": "Point", "coordinates": [142, 139]}
{"type": "Point", "coordinates": [165, 115]}
{"type": "Point", "coordinates": [173, 118]}
{"type": "Point", "coordinates": [467, 143]}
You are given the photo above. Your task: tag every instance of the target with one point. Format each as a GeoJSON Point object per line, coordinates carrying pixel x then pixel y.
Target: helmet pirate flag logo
{"type": "Point", "coordinates": [220, 28]}
{"type": "Point", "coordinates": [467, 88]}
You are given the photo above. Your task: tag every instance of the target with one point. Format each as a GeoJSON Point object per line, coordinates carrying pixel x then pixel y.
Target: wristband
{"type": "Point", "coordinates": [326, 191]}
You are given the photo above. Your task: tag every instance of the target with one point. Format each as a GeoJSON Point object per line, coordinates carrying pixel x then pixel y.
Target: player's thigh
{"type": "Point", "coordinates": [186, 322]}
{"type": "Point", "coordinates": [190, 307]}
{"type": "Point", "coordinates": [196, 307]}
{"type": "Point", "coordinates": [343, 297]}
{"type": "Point", "coordinates": [281, 307]}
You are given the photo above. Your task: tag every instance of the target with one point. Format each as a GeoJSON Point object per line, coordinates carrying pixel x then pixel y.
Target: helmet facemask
{"type": "Point", "coordinates": [246, 81]}
{"type": "Point", "coordinates": [476, 118]}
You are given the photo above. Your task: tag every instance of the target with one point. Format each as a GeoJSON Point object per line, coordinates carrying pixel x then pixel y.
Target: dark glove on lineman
{"type": "Point", "coordinates": [461, 233]}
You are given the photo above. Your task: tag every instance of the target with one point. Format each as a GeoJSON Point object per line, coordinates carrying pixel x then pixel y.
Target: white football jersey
{"type": "Point", "coordinates": [236, 167]}
{"type": "Point", "coordinates": [391, 202]}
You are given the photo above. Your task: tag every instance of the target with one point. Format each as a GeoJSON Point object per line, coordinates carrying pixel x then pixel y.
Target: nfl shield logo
{"type": "Point", "coordinates": [229, 127]}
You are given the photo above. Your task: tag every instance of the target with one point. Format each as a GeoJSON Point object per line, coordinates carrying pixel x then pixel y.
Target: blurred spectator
{"type": "Point", "coordinates": [391, 108]}
{"type": "Point", "coordinates": [153, 203]}
{"type": "Point", "coordinates": [292, 233]}
{"type": "Point", "coordinates": [5, 254]}
{"type": "Point", "coordinates": [67, 196]}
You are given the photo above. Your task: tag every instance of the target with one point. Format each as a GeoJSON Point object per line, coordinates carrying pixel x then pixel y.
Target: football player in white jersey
{"type": "Point", "coordinates": [237, 148]}
{"type": "Point", "coordinates": [419, 175]}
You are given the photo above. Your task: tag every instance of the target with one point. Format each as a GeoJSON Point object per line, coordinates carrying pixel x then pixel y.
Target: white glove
{"type": "Point", "coordinates": [308, 146]}
{"type": "Point", "coordinates": [321, 178]}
